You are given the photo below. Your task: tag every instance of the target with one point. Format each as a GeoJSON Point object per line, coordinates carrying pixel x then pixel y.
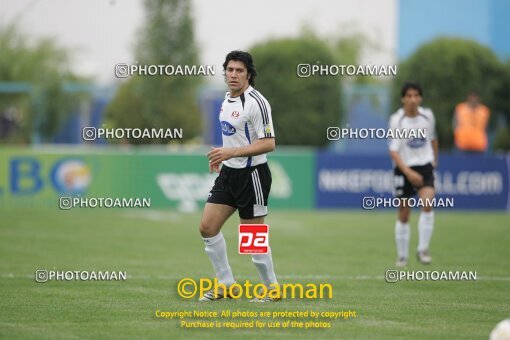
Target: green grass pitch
{"type": "Point", "coordinates": [351, 250]}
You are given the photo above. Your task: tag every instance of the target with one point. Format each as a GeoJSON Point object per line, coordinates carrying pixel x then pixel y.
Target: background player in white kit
{"type": "Point", "coordinates": [414, 160]}
{"type": "Point", "coordinates": [244, 180]}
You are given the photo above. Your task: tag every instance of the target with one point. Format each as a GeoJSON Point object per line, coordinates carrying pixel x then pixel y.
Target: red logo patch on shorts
{"type": "Point", "coordinates": [253, 239]}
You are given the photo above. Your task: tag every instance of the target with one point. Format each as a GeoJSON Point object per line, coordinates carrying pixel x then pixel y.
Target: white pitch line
{"type": "Point", "coordinates": [283, 277]}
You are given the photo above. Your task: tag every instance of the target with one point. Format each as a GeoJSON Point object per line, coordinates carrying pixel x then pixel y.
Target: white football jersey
{"type": "Point", "coordinates": [244, 120]}
{"type": "Point", "coordinates": [414, 151]}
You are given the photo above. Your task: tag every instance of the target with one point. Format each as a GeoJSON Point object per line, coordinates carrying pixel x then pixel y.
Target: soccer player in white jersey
{"type": "Point", "coordinates": [414, 160]}
{"type": "Point", "coordinates": [244, 180]}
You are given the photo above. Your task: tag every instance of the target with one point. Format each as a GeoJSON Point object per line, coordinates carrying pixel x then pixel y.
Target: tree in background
{"type": "Point", "coordinates": [348, 50]}
{"type": "Point", "coordinates": [40, 105]}
{"type": "Point", "coordinates": [161, 101]}
{"type": "Point", "coordinates": [448, 68]}
{"type": "Point", "coordinates": [303, 108]}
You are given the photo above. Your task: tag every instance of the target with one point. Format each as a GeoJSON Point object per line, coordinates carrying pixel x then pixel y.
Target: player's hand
{"type": "Point", "coordinates": [435, 164]}
{"type": "Point", "coordinates": [214, 168]}
{"type": "Point", "coordinates": [415, 178]}
{"type": "Point", "coordinates": [218, 155]}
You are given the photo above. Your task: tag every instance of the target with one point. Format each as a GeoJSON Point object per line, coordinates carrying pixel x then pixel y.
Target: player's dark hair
{"type": "Point", "coordinates": [411, 85]}
{"type": "Point", "coordinates": [246, 59]}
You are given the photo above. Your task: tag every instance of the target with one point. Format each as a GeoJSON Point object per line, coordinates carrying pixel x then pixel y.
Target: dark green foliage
{"type": "Point", "coordinates": [448, 68]}
{"type": "Point", "coordinates": [303, 108]}
{"type": "Point", "coordinates": [161, 101]}
{"type": "Point", "coordinates": [42, 68]}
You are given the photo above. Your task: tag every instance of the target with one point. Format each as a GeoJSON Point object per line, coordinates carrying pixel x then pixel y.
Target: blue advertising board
{"type": "Point", "coordinates": [473, 182]}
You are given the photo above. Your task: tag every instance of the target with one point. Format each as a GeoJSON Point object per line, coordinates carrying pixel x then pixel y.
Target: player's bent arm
{"type": "Point", "coordinates": [399, 163]}
{"type": "Point", "coordinates": [414, 177]}
{"type": "Point", "coordinates": [435, 147]}
{"type": "Point", "coordinates": [264, 145]}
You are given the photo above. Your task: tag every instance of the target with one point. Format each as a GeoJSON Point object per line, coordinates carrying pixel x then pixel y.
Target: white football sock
{"type": "Point", "coordinates": [264, 264]}
{"type": "Point", "coordinates": [425, 228]}
{"type": "Point", "coordinates": [402, 235]}
{"type": "Point", "coordinates": [216, 249]}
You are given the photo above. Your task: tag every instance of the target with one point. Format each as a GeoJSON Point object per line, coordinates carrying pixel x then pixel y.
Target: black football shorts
{"type": "Point", "coordinates": [245, 189]}
{"type": "Point", "coordinates": [404, 188]}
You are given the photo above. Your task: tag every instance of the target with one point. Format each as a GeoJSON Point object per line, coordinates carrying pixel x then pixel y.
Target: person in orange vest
{"type": "Point", "coordinates": [470, 124]}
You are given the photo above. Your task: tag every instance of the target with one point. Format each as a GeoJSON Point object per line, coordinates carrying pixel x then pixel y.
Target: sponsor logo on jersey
{"type": "Point", "coordinates": [267, 128]}
{"type": "Point", "coordinates": [227, 129]}
{"type": "Point", "coordinates": [416, 143]}
{"type": "Point", "coordinates": [235, 114]}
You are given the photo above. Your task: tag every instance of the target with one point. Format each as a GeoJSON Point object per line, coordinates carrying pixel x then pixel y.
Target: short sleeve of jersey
{"type": "Point", "coordinates": [260, 116]}
{"type": "Point", "coordinates": [431, 131]}
{"type": "Point", "coordinates": [394, 143]}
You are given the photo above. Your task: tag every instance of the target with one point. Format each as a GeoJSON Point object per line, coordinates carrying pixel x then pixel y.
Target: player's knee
{"type": "Point", "coordinates": [403, 215]}
{"type": "Point", "coordinates": [426, 209]}
{"type": "Point", "coordinates": [403, 219]}
{"type": "Point", "coordinates": [207, 229]}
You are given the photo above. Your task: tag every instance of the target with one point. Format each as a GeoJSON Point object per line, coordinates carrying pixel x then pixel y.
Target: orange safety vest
{"type": "Point", "coordinates": [470, 132]}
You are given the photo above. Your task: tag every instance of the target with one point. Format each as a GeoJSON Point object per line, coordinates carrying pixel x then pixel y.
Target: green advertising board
{"type": "Point", "coordinates": [35, 177]}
